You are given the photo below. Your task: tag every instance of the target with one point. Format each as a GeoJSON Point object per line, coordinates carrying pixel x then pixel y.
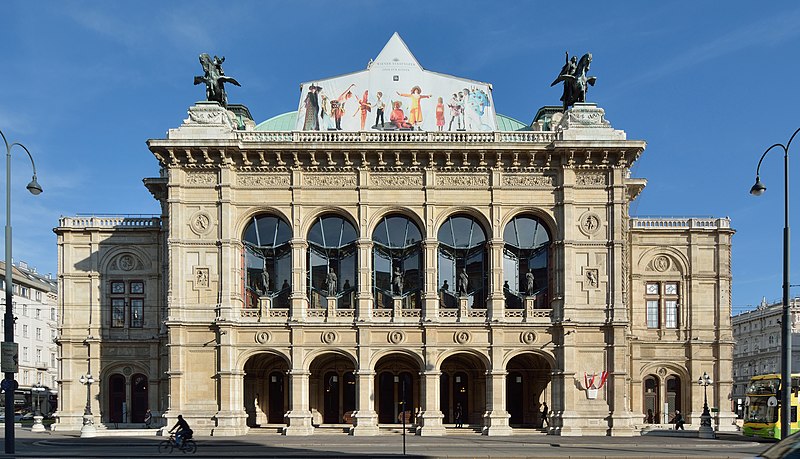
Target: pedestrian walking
{"type": "Point", "coordinates": [678, 420]}
{"type": "Point", "coordinates": [148, 418]}
{"type": "Point", "coordinates": [545, 413]}
{"type": "Point", "coordinates": [459, 415]}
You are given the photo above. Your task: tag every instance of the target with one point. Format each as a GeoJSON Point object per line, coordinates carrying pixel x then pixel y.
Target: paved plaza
{"type": "Point", "coordinates": [54, 444]}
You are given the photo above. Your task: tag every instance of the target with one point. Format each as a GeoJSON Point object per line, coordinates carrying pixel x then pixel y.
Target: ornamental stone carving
{"type": "Point", "coordinates": [462, 337]}
{"type": "Point", "coordinates": [208, 113]}
{"type": "Point", "coordinates": [329, 337]}
{"type": "Point", "coordinates": [661, 263]}
{"type": "Point", "coordinates": [462, 180]}
{"type": "Point", "coordinates": [330, 180]}
{"type": "Point", "coordinates": [589, 223]}
{"type": "Point", "coordinates": [200, 222]}
{"type": "Point", "coordinates": [528, 337]}
{"type": "Point", "coordinates": [127, 262]}
{"type": "Point", "coordinates": [201, 277]}
{"type": "Point", "coordinates": [262, 181]}
{"type": "Point", "coordinates": [527, 181]}
{"type": "Point", "coordinates": [396, 180]}
{"type": "Point", "coordinates": [396, 337]}
{"type": "Point", "coordinates": [590, 179]}
{"type": "Point", "coordinates": [201, 178]}
{"type": "Point", "coordinates": [263, 337]}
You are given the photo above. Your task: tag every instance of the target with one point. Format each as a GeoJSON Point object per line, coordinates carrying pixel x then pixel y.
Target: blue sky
{"type": "Point", "coordinates": [709, 87]}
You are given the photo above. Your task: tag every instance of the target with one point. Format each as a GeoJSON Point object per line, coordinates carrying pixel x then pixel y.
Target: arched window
{"type": "Point", "coordinates": [332, 261]}
{"type": "Point", "coordinates": [462, 260]}
{"type": "Point", "coordinates": [267, 260]}
{"type": "Point", "coordinates": [525, 261]}
{"type": "Point", "coordinates": [397, 262]}
{"type": "Point", "coordinates": [652, 400]}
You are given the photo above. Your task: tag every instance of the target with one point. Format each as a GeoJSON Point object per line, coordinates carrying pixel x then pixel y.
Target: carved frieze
{"type": "Point", "coordinates": [201, 178]}
{"type": "Point", "coordinates": [330, 180]}
{"type": "Point", "coordinates": [462, 180]}
{"type": "Point", "coordinates": [589, 179]}
{"type": "Point", "coordinates": [396, 180]}
{"type": "Point", "coordinates": [262, 181]}
{"type": "Point", "coordinates": [527, 181]}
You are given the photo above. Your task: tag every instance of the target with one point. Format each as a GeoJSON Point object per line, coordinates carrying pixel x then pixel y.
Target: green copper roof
{"type": "Point", "coordinates": [286, 122]}
{"type": "Point", "coordinates": [283, 122]}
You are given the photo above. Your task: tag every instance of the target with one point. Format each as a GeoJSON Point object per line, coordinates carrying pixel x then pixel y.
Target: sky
{"type": "Point", "coordinates": [709, 86]}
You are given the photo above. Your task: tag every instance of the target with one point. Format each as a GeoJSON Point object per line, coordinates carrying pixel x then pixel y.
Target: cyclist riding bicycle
{"type": "Point", "coordinates": [184, 431]}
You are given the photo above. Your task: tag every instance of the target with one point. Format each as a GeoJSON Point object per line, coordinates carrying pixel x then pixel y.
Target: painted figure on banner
{"type": "Point", "coordinates": [475, 103]}
{"type": "Point", "coordinates": [455, 112]}
{"type": "Point", "coordinates": [440, 114]}
{"type": "Point", "coordinates": [379, 105]}
{"type": "Point", "coordinates": [311, 105]}
{"type": "Point", "coordinates": [415, 114]}
{"type": "Point", "coordinates": [325, 111]}
{"type": "Point", "coordinates": [398, 118]}
{"type": "Point", "coordinates": [364, 107]}
{"type": "Point", "coordinates": [337, 106]}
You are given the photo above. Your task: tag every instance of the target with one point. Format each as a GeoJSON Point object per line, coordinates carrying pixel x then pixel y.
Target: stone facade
{"type": "Point", "coordinates": [643, 304]}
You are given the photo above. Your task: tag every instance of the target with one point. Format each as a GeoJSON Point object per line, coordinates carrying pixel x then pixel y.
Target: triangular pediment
{"type": "Point", "coordinates": [395, 54]}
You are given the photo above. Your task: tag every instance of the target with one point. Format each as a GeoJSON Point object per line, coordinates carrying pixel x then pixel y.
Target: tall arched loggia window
{"type": "Point", "coordinates": [397, 262]}
{"type": "Point", "coordinates": [463, 267]}
{"type": "Point", "coordinates": [268, 260]}
{"type": "Point", "coordinates": [525, 261]}
{"type": "Point", "coordinates": [332, 262]}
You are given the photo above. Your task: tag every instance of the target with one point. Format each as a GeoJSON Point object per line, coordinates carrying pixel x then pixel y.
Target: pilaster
{"type": "Point", "coordinates": [298, 419]}
{"type": "Point", "coordinates": [429, 421]}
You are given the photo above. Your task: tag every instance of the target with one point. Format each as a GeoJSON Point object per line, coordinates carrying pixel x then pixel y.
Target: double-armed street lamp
{"type": "Point", "coordinates": [705, 419]}
{"type": "Point", "coordinates": [88, 429]}
{"type": "Point", "coordinates": [786, 324]}
{"type": "Point", "coordinates": [9, 347]}
{"type": "Point", "coordinates": [37, 388]}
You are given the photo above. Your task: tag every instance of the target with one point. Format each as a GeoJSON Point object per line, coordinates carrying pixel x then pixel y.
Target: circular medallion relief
{"type": "Point", "coordinates": [589, 223]}
{"type": "Point", "coordinates": [661, 263]}
{"type": "Point", "coordinates": [200, 222]}
{"type": "Point", "coordinates": [662, 372]}
{"type": "Point", "coordinates": [462, 337]}
{"type": "Point", "coordinates": [127, 371]}
{"type": "Point", "coordinates": [263, 337]}
{"type": "Point", "coordinates": [126, 262]}
{"type": "Point", "coordinates": [396, 337]}
{"type": "Point", "coordinates": [329, 337]}
{"type": "Point", "coordinates": [528, 337]}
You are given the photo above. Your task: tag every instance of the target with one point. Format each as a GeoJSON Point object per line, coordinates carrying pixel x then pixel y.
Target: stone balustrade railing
{"type": "Point", "coordinates": [680, 222]}
{"type": "Point", "coordinates": [119, 221]}
{"type": "Point", "coordinates": [397, 136]}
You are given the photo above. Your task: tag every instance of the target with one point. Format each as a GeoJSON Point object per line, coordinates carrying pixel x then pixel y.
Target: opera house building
{"type": "Point", "coordinates": [416, 258]}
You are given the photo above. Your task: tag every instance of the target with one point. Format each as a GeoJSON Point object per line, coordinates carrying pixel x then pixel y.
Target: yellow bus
{"type": "Point", "coordinates": [762, 417]}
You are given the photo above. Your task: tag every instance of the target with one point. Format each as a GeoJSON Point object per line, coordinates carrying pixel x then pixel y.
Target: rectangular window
{"type": "Point", "coordinates": [137, 310]}
{"type": "Point", "coordinates": [38, 313]}
{"type": "Point", "coordinates": [38, 355]}
{"type": "Point", "coordinates": [25, 354]}
{"type": "Point", "coordinates": [24, 331]}
{"type": "Point", "coordinates": [38, 333]}
{"type": "Point", "coordinates": [652, 313]}
{"type": "Point", "coordinates": [25, 292]}
{"type": "Point", "coordinates": [52, 313]}
{"type": "Point", "coordinates": [38, 296]}
{"type": "Point", "coordinates": [25, 310]}
{"type": "Point", "coordinates": [117, 312]}
{"type": "Point", "coordinates": [672, 313]}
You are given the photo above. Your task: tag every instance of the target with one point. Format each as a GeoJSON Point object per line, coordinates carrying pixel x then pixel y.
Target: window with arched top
{"type": "Point", "coordinates": [332, 261]}
{"type": "Point", "coordinates": [267, 260]}
{"type": "Point", "coordinates": [397, 262]}
{"type": "Point", "coordinates": [526, 255]}
{"type": "Point", "coordinates": [462, 261]}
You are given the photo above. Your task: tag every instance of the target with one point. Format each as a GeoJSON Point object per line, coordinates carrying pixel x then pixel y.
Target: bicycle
{"type": "Point", "coordinates": [167, 446]}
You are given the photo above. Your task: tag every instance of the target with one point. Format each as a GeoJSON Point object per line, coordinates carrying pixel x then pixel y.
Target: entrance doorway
{"type": "Point", "coordinates": [527, 389]}
{"type": "Point", "coordinates": [333, 388]}
{"type": "Point", "coordinates": [266, 397]}
{"type": "Point", "coordinates": [463, 382]}
{"type": "Point", "coordinates": [397, 388]}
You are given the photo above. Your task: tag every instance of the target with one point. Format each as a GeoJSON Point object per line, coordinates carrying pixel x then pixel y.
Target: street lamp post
{"type": "Point", "coordinates": [37, 412]}
{"type": "Point", "coordinates": [9, 347]}
{"type": "Point", "coordinates": [88, 429]}
{"type": "Point", "coordinates": [706, 431]}
{"type": "Point", "coordinates": [786, 324]}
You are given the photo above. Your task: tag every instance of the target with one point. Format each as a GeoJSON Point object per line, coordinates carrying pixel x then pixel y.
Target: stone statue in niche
{"type": "Point", "coordinates": [397, 281]}
{"type": "Point", "coordinates": [463, 282]}
{"type": "Point", "coordinates": [331, 282]}
{"type": "Point", "coordinates": [530, 282]}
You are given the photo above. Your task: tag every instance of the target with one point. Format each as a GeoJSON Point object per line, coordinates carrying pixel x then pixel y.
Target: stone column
{"type": "Point", "coordinates": [364, 299]}
{"type": "Point", "coordinates": [231, 418]}
{"type": "Point", "coordinates": [430, 297]}
{"type": "Point", "coordinates": [365, 417]}
{"type": "Point", "coordinates": [495, 308]}
{"type": "Point", "coordinates": [298, 299]}
{"type": "Point", "coordinates": [495, 421]}
{"type": "Point", "coordinates": [298, 419]}
{"type": "Point", "coordinates": [429, 422]}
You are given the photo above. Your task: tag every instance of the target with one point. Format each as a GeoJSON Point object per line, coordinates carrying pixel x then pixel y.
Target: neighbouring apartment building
{"type": "Point", "coordinates": [757, 334]}
{"type": "Point", "coordinates": [320, 269]}
{"type": "Point", "coordinates": [35, 302]}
